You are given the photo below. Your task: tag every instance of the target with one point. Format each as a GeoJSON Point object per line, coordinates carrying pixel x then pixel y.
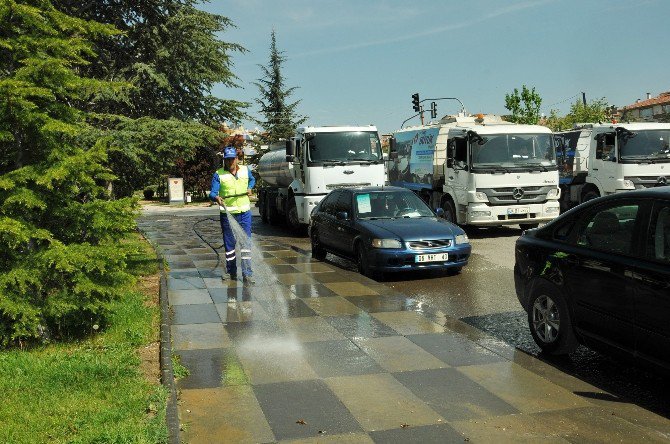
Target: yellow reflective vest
{"type": "Point", "coordinates": [233, 189]}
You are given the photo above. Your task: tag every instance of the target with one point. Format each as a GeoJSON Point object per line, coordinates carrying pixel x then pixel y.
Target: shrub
{"type": "Point", "coordinates": [148, 193]}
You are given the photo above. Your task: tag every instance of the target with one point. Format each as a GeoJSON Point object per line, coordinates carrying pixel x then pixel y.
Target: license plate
{"type": "Point", "coordinates": [439, 257]}
{"type": "Point", "coordinates": [522, 210]}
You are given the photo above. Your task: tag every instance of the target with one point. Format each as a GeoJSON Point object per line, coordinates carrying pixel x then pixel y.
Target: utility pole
{"type": "Point", "coordinates": [584, 98]}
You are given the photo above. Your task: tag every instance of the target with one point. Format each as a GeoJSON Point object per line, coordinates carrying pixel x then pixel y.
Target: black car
{"type": "Point", "coordinates": [600, 275]}
{"type": "Point", "coordinates": [386, 229]}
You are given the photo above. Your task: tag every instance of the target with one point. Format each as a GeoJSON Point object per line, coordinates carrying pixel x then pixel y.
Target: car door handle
{"type": "Point", "coordinates": [594, 169]}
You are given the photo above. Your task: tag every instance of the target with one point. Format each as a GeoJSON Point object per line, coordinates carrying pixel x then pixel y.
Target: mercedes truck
{"type": "Point", "coordinates": [480, 170]}
{"type": "Point", "coordinates": [600, 159]}
{"type": "Point", "coordinates": [317, 160]}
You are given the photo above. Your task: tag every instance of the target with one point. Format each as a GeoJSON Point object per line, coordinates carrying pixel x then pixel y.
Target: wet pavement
{"type": "Point", "coordinates": [316, 352]}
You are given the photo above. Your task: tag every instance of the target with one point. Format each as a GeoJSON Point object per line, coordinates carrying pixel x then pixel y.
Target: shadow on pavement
{"type": "Point", "coordinates": [620, 377]}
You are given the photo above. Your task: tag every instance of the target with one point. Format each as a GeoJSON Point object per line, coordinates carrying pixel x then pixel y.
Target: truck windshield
{"type": "Point", "coordinates": [645, 144]}
{"type": "Point", "coordinates": [513, 150]}
{"type": "Point", "coordinates": [345, 146]}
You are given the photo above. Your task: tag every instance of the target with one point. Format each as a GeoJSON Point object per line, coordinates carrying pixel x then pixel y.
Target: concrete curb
{"type": "Point", "coordinates": [167, 374]}
{"type": "Point", "coordinates": [165, 358]}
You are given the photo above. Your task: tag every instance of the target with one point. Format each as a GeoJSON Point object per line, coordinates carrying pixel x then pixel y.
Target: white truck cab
{"type": "Point", "coordinates": [481, 170]}
{"type": "Point", "coordinates": [600, 159]}
{"type": "Point", "coordinates": [317, 160]}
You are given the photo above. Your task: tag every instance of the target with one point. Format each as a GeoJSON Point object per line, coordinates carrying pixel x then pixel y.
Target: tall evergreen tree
{"type": "Point", "coordinates": [60, 261]}
{"type": "Point", "coordinates": [281, 118]}
{"type": "Point", "coordinates": [169, 51]}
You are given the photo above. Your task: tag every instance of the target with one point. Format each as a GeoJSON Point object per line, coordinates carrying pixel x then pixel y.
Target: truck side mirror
{"type": "Point", "coordinates": [393, 149]}
{"type": "Point", "coordinates": [450, 162]}
{"type": "Point", "coordinates": [290, 150]}
{"type": "Point", "coordinates": [342, 215]}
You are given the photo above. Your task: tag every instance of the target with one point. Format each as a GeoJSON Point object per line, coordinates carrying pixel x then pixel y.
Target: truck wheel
{"type": "Point", "coordinates": [273, 214]}
{"type": "Point", "coordinates": [449, 211]}
{"type": "Point", "coordinates": [292, 216]}
{"type": "Point", "coordinates": [590, 195]}
{"type": "Point", "coordinates": [549, 320]}
{"type": "Point", "coordinates": [263, 209]}
{"type": "Point", "coordinates": [317, 250]}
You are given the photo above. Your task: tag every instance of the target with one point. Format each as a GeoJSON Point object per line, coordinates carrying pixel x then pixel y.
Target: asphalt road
{"type": "Point", "coordinates": [483, 296]}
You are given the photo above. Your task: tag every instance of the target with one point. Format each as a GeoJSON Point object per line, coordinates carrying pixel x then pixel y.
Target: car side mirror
{"type": "Point", "coordinates": [290, 159]}
{"type": "Point", "coordinates": [342, 215]}
{"type": "Point", "coordinates": [439, 212]}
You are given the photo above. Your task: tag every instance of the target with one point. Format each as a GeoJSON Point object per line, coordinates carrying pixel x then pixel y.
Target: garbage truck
{"type": "Point", "coordinates": [596, 159]}
{"type": "Point", "coordinates": [480, 169]}
{"type": "Point", "coordinates": [315, 161]}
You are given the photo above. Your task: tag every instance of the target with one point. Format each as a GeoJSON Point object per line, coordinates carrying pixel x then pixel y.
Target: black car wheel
{"type": "Point", "coordinates": [361, 261]}
{"type": "Point", "coordinates": [317, 250]}
{"type": "Point", "coordinates": [549, 321]}
{"type": "Point", "coordinates": [528, 226]}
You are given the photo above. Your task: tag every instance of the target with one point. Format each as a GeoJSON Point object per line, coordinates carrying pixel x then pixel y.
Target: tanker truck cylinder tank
{"type": "Point", "coordinates": [274, 169]}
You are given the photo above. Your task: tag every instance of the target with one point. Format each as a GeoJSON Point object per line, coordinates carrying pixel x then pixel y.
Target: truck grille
{"type": "Point", "coordinates": [516, 195]}
{"type": "Point", "coordinates": [649, 181]}
{"type": "Point", "coordinates": [429, 244]}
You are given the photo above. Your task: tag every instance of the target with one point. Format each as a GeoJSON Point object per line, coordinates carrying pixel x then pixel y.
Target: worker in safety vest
{"type": "Point", "coordinates": [231, 188]}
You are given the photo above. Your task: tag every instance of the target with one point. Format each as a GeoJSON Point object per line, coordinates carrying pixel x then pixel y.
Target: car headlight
{"type": "Point", "coordinates": [628, 184]}
{"type": "Point", "coordinates": [386, 243]}
{"type": "Point", "coordinates": [462, 239]}
{"type": "Point", "coordinates": [553, 193]}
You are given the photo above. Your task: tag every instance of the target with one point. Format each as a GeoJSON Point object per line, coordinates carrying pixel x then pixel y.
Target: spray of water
{"type": "Point", "coordinates": [273, 335]}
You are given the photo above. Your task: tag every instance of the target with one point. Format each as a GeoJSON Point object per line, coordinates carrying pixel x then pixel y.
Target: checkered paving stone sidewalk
{"type": "Point", "coordinates": [341, 358]}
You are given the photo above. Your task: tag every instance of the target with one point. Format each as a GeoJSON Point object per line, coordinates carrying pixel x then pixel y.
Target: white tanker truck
{"type": "Point", "coordinates": [317, 160]}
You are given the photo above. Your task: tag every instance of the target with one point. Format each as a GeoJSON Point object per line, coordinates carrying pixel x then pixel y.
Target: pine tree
{"type": "Point", "coordinates": [60, 260]}
{"type": "Point", "coordinates": [281, 118]}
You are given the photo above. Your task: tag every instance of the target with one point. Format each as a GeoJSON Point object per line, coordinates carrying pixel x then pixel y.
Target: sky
{"type": "Point", "coordinates": [358, 62]}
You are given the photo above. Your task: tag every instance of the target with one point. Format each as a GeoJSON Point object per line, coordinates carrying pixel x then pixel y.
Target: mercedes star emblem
{"type": "Point", "coordinates": [517, 193]}
{"type": "Point", "coordinates": [662, 181]}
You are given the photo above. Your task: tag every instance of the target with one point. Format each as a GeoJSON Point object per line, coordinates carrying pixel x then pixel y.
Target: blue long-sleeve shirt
{"type": "Point", "coordinates": [216, 183]}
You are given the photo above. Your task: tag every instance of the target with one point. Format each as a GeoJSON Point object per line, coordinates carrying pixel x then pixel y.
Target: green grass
{"type": "Point", "coordinates": [89, 391]}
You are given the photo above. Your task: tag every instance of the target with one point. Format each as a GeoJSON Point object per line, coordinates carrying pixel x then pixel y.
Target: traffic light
{"type": "Point", "coordinates": [433, 110]}
{"type": "Point", "coordinates": [415, 102]}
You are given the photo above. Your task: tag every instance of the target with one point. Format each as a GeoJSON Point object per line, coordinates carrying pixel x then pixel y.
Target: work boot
{"type": "Point", "coordinates": [248, 280]}
{"type": "Point", "coordinates": [229, 277]}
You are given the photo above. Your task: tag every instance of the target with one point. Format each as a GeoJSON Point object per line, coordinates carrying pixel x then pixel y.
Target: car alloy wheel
{"type": "Point", "coordinates": [549, 320]}
{"type": "Point", "coordinates": [546, 319]}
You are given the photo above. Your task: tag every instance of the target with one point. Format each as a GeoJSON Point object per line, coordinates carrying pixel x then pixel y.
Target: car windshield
{"type": "Point", "coordinates": [513, 150]}
{"type": "Point", "coordinates": [645, 144]}
{"type": "Point", "coordinates": [390, 204]}
{"type": "Point", "coordinates": [344, 146]}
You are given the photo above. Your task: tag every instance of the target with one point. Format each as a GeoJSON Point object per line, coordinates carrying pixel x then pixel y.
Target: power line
{"type": "Point", "coordinates": [563, 101]}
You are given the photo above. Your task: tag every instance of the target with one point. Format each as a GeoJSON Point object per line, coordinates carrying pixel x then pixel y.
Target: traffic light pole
{"type": "Point", "coordinates": [416, 103]}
